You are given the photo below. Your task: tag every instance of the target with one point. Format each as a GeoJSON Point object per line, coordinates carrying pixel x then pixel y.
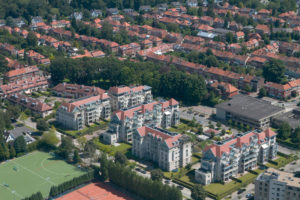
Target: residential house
{"type": "Point", "coordinates": [112, 11]}
{"type": "Point", "coordinates": [282, 91]}
{"type": "Point", "coordinates": [69, 90]}
{"type": "Point", "coordinates": [262, 29]}
{"type": "Point", "coordinates": [35, 105]}
{"type": "Point", "coordinates": [192, 3]}
{"type": "Point", "coordinates": [226, 90]}
{"type": "Point", "coordinates": [129, 49]}
{"type": "Point", "coordinates": [18, 74]}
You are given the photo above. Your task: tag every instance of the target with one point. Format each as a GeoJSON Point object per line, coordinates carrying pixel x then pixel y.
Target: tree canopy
{"type": "Point", "coordinates": [274, 70]}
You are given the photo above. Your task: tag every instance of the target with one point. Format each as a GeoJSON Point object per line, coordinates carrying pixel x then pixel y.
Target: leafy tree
{"type": "Point", "coordinates": [274, 71]}
{"type": "Point", "coordinates": [4, 152]}
{"type": "Point", "coordinates": [157, 175]}
{"type": "Point", "coordinates": [229, 37]}
{"type": "Point", "coordinates": [12, 151]}
{"type": "Point", "coordinates": [76, 157]}
{"type": "Point", "coordinates": [200, 12]}
{"type": "Point", "coordinates": [284, 131]}
{"type": "Point", "coordinates": [198, 192]}
{"type": "Point", "coordinates": [107, 31]}
{"type": "Point", "coordinates": [42, 125]}
{"type": "Point", "coordinates": [65, 148]}
{"type": "Point", "coordinates": [3, 64]}
{"type": "Point", "coordinates": [49, 139]}
{"type": "Point", "coordinates": [104, 167]}
{"type": "Point", "coordinates": [13, 112]}
{"type": "Point", "coordinates": [20, 145]}
{"type": "Point", "coordinates": [120, 158]}
{"type": "Point", "coordinates": [296, 135]}
{"type": "Point", "coordinates": [90, 149]}
{"type": "Point", "coordinates": [262, 92]}
{"type": "Point", "coordinates": [31, 39]}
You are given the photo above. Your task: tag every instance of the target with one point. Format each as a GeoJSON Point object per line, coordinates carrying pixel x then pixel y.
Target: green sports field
{"type": "Point", "coordinates": [37, 171]}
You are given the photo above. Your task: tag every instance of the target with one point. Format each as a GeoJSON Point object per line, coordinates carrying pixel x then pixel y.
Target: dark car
{"type": "Point", "coordinates": [167, 182]}
{"type": "Point", "coordinates": [240, 191]}
{"type": "Point", "coordinates": [180, 187]}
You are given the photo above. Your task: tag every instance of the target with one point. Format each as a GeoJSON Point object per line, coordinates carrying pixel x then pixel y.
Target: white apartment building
{"type": "Point", "coordinates": [123, 97]}
{"type": "Point", "coordinates": [277, 185]}
{"type": "Point", "coordinates": [84, 111]}
{"type": "Point", "coordinates": [170, 151]}
{"type": "Point", "coordinates": [235, 155]}
{"type": "Point", "coordinates": [124, 122]}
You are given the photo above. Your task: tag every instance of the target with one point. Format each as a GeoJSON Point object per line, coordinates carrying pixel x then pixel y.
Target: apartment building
{"type": "Point", "coordinates": [248, 111]}
{"type": "Point", "coordinates": [69, 90]}
{"type": "Point", "coordinates": [124, 122]}
{"type": "Point", "coordinates": [78, 113]}
{"type": "Point", "coordinates": [123, 97]}
{"type": "Point", "coordinates": [277, 185]}
{"type": "Point", "coordinates": [170, 151]}
{"type": "Point", "coordinates": [18, 74]}
{"type": "Point", "coordinates": [237, 154]}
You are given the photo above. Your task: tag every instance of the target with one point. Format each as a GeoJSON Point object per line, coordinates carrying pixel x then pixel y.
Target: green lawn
{"type": "Point", "coordinates": [111, 149]}
{"type": "Point", "coordinates": [34, 172]}
{"type": "Point", "coordinates": [218, 188]}
{"type": "Point", "coordinates": [23, 116]}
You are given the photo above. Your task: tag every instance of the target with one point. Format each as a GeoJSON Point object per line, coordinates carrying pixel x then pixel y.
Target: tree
{"type": "Point", "coordinates": [198, 192]}
{"type": "Point", "coordinates": [120, 158]}
{"type": "Point", "coordinates": [90, 149]}
{"type": "Point", "coordinates": [31, 39]}
{"type": "Point", "coordinates": [42, 125]}
{"type": "Point", "coordinates": [157, 175]}
{"type": "Point", "coordinates": [20, 145]}
{"type": "Point", "coordinates": [3, 64]}
{"type": "Point", "coordinates": [284, 131]}
{"type": "Point", "coordinates": [229, 37]}
{"type": "Point", "coordinates": [262, 92]}
{"type": "Point", "coordinates": [65, 148]}
{"type": "Point", "coordinates": [296, 135]}
{"type": "Point", "coordinates": [4, 152]}
{"type": "Point", "coordinates": [107, 31]}
{"type": "Point", "coordinates": [274, 71]}
{"type": "Point", "coordinates": [104, 167]}
{"type": "Point", "coordinates": [200, 12]}
{"type": "Point", "coordinates": [12, 151]}
{"type": "Point", "coordinates": [49, 139]}
{"type": "Point", "coordinates": [76, 157]}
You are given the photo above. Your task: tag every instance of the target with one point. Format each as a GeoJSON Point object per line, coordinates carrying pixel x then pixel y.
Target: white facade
{"type": "Point", "coordinates": [123, 97]}
{"type": "Point", "coordinates": [85, 111]}
{"type": "Point", "coordinates": [170, 151]}
{"type": "Point", "coordinates": [235, 155]}
{"type": "Point", "coordinates": [125, 122]}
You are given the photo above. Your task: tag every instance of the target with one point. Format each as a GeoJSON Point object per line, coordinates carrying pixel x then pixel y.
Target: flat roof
{"type": "Point", "coordinates": [250, 107]}
{"type": "Point", "coordinates": [291, 117]}
{"type": "Point", "coordinates": [282, 176]}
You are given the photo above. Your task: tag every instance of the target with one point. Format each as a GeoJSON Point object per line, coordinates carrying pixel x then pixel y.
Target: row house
{"type": "Point", "coordinates": [60, 23]}
{"type": "Point", "coordinates": [193, 40]}
{"type": "Point", "coordinates": [9, 48]}
{"type": "Point", "coordinates": [206, 20]}
{"type": "Point", "coordinates": [234, 48]}
{"type": "Point", "coordinates": [145, 44]}
{"type": "Point", "coordinates": [174, 37]}
{"type": "Point", "coordinates": [112, 46]}
{"type": "Point", "coordinates": [216, 45]}
{"type": "Point", "coordinates": [35, 105]}
{"type": "Point", "coordinates": [38, 58]}
{"type": "Point", "coordinates": [29, 85]}
{"type": "Point", "coordinates": [125, 121]}
{"type": "Point", "coordinates": [18, 74]}
{"type": "Point", "coordinates": [69, 90]}
{"type": "Point", "coordinates": [281, 91]}
{"type": "Point", "coordinates": [170, 151]}
{"type": "Point", "coordinates": [129, 49]}
{"type": "Point", "coordinates": [82, 112]}
{"type": "Point", "coordinates": [257, 62]}
{"type": "Point", "coordinates": [94, 54]}
{"type": "Point", "coordinates": [123, 97]}
{"type": "Point", "coordinates": [251, 44]}
{"type": "Point", "coordinates": [236, 155]}
{"type": "Point", "coordinates": [262, 29]}
{"type": "Point", "coordinates": [13, 64]}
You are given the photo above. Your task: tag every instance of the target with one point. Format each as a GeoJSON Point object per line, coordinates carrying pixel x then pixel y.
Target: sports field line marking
{"type": "Point", "coordinates": [34, 173]}
{"type": "Point", "coordinates": [15, 193]}
{"type": "Point", "coordinates": [59, 174]}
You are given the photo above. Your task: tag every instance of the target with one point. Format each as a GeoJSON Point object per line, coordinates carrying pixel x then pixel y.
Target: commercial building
{"type": "Point", "coordinates": [123, 97]}
{"type": "Point", "coordinates": [84, 111]}
{"type": "Point", "coordinates": [292, 118]}
{"type": "Point", "coordinates": [170, 151]}
{"type": "Point", "coordinates": [247, 110]}
{"type": "Point", "coordinates": [124, 122]}
{"type": "Point", "coordinates": [277, 185]}
{"type": "Point", "coordinates": [237, 154]}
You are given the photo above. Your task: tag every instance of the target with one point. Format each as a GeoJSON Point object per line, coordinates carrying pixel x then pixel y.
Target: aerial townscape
{"type": "Point", "coordinates": [149, 99]}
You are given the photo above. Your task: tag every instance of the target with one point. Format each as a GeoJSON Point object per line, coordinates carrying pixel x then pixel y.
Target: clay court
{"type": "Point", "coordinates": [96, 191]}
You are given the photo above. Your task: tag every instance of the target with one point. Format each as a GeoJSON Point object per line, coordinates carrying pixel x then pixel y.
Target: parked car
{"type": "Point", "coordinates": [180, 187]}
{"type": "Point", "coordinates": [240, 191]}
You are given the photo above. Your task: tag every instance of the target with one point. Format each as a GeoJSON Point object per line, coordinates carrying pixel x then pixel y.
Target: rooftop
{"type": "Point", "coordinates": [250, 107]}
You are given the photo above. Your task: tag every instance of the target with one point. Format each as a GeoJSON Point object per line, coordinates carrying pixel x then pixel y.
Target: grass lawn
{"type": "Point", "coordinates": [84, 131]}
{"type": "Point", "coordinates": [218, 188]}
{"type": "Point", "coordinates": [111, 149]}
{"type": "Point", "coordinates": [23, 116]}
{"type": "Point", "coordinates": [280, 160]}
{"type": "Point", "coordinates": [34, 172]}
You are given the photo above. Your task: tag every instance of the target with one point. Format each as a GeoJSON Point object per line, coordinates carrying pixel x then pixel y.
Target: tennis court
{"type": "Point", "coordinates": [34, 172]}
